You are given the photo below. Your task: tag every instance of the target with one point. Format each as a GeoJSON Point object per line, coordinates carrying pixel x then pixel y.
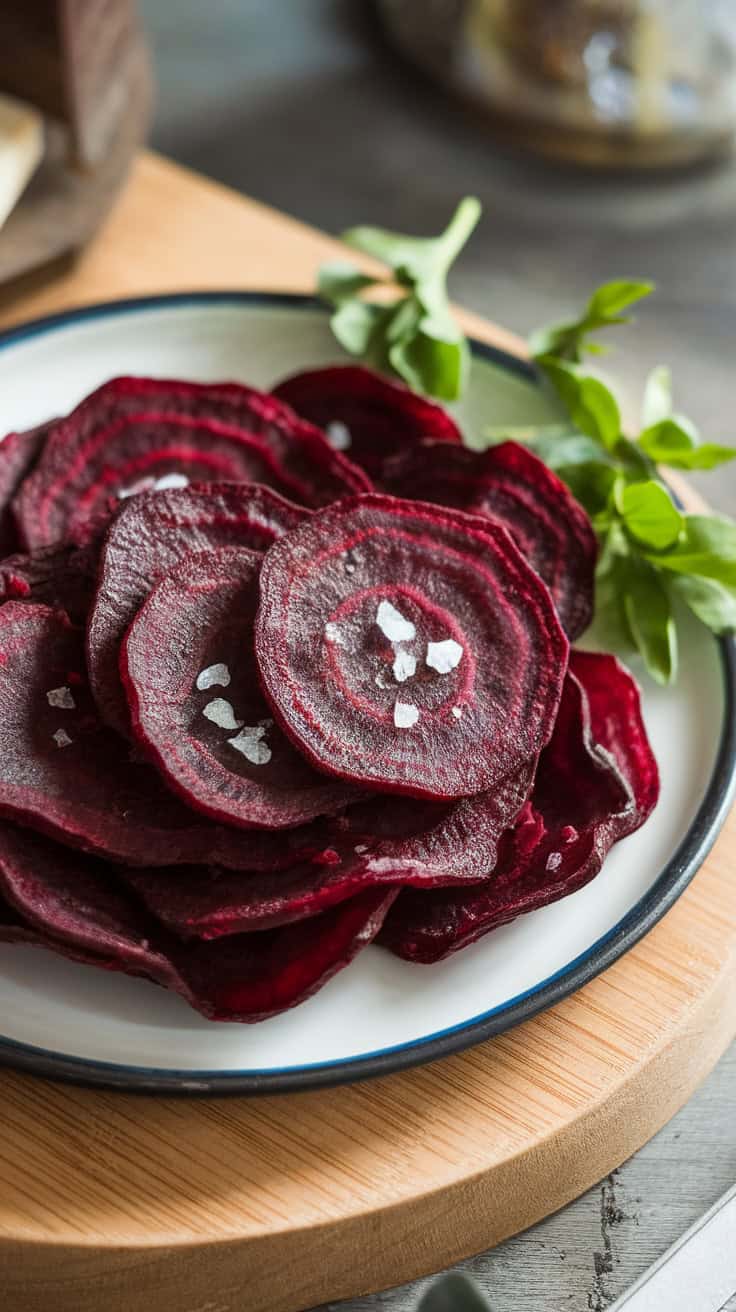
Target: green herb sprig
{"type": "Point", "coordinates": [652, 553]}
{"type": "Point", "coordinates": [416, 334]}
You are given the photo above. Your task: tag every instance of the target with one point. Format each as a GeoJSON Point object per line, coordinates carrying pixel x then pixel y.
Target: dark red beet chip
{"type": "Point", "coordinates": [597, 781]}
{"type": "Point", "coordinates": [70, 904]}
{"type": "Point", "coordinates": [19, 453]}
{"type": "Point", "coordinates": [61, 577]}
{"type": "Point", "coordinates": [148, 538]}
{"type": "Point", "coordinates": [409, 647]}
{"type": "Point", "coordinates": [512, 484]}
{"type": "Point", "coordinates": [368, 416]}
{"type": "Point", "coordinates": [66, 775]}
{"type": "Point", "coordinates": [421, 844]}
{"type": "Point", "coordinates": [190, 675]}
{"type": "Point", "coordinates": [133, 434]}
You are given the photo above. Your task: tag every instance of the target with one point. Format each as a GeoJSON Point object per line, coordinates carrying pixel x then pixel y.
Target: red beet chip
{"type": "Point", "coordinates": [368, 416]}
{"type": "Point", "coordinates": [19, 453]}
{"type": "Point", "coordinates": [409, 647]}
{"type": "Point", "coordinates": [66, 775]}
{"type": "Point", "coordinates": [62, 577]}
{"type": "Point", "coordinates": [141, 434]}
{"type": "Point", "coordinates": [421, 844]}
{"type": "Point", "coordinates": [70, 904]}
{"type": "Point", "coordinates": [191, 681]}
{"type": "Point", "coordinates": [512, 484]}
{"type": "Point", "coordinates": [597, 781]}
{"type": "Point", "coordinates": [148, 538]}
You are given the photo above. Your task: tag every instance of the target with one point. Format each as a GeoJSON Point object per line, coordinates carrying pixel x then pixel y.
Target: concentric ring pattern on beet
{"type": "Point", "coordinates": [256, 715]}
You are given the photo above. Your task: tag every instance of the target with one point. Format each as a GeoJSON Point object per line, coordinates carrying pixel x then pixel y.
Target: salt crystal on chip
{"type": "Point", "coordinates": [393, 624]}
{"type": "Point", "coordinates": [221, 713]}
{"type": "Point", "coordinates": [213, 675]}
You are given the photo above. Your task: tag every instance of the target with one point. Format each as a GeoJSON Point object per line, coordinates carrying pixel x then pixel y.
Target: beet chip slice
{"type": "Point", "coordinates": [136, 434]}
{"type": "Point", "coordinates": [368, 416]}
{"type": "Point", "coordinates": [67, 775]}
{"type": "Point", "coordinates": [190, 676]}
{"type": "Point", "coordinates": [70, 903]}
{"type": "Point", "coordinates": [61, 577]}
{"type": "Point", "coordinates": [418, 844]}
{"type": "Point", "coordinates": [597, 781]}
{"type": "Point", "coordinates": [148, 538]}
{"type": "Point", "coordinates": [409, 647]}
{"type": "Point", "coordinates": [516, 487]}
{"type": "Point", "coordinates": [19, 453]}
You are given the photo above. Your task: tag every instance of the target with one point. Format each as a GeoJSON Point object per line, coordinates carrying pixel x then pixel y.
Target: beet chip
{"type": "Point", "coordinates": [418, 844]}
{"type": "Point", "coordinates": [409, 647]}
{"type": "Point", "coordinates": [18, 455]}
{"type": "Point", "coordinates": [513, 485]}
{"type": "Point", "coordinates": [597, 781]}
{"type": "Point", "coordinates": [190, 676]}
{"type": "Point", "coordinates": [61, 577]}
{"type": "Point", "coordinates": [70, 903]}
{"type": "Point", "coordinates": [67, 775]}
{"type": "Point", "coordinates": [368, 416]}
{"type": "Point", "coordinates": [148, 538]}
{"type": "Point", "coordinates": [135, 435]}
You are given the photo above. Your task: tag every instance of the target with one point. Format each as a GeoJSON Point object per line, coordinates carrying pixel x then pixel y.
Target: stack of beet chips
{"type": "Point", "coordinates": [284, 674]}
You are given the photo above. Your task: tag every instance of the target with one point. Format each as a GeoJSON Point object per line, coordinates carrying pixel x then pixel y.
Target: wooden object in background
{"type": "Point", "coordinates": [84, 64]}
{"type": "Point", "coordinates": [276, 1204]}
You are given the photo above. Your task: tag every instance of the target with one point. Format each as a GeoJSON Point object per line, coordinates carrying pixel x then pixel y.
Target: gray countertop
{"type": "Point", "coordinates": [300, 105]}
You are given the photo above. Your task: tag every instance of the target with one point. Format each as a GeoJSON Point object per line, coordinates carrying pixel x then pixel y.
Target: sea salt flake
{"type": "Point", "coordinates": [221, 713]}
{"type": "Point", "coordinates": [333, 633]}
{"type": "Point", "coordinates": [554, 861]}
{"type": "Point", "coordinates": [444, 656]}
{"type": "Point", "coordinates": [405, 665]}
{"type": "Point", "coordinates": [393, 624]}
{"type": "Point", "coordinates": [61, 698]}
{"type": "Point", "coordinates": [405, 715]}
{"type": "Point", "coordinates": [361, 848]}
{"type": "Point", "coordinates": [249, 742]}
{"type": "Point", "coordinates": [213, 676]}
{"type": "Point", "coordinates": [457, 711]}
{"type": "Point", "coordinates": [143, 485]}
{"type": "Point", "coordinates": [338, 435]}
{"type": "Point", "coordinates": [61, 738]}
{"type": "Point", "coordinates": [169, 481]}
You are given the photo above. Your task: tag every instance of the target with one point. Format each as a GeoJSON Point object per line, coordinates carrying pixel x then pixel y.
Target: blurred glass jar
{"type": "Point", "coordinates": [605, 82]}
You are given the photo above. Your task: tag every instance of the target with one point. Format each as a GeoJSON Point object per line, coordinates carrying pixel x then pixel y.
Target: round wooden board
{"type": "Point", "coordinates": [125, 1203]}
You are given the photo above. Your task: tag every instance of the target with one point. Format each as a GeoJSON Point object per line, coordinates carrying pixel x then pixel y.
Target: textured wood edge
{"type": "Point", "coordinates": [277, 1205]}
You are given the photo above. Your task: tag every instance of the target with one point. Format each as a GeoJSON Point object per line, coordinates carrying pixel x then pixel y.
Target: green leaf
{"type": "Point", "coordinates": [706, 548]}
{"type": "Point", "coordinates": [567, 341]}
{"type": "Point", "coordinates": [591, 406]}
{"type": "Point", "coordinates": [591, 482]}
{"type": "Point", "coordinates": [416, 259]}
{"type": "Point", "coordinates": [339, 281]}
{"type": "Point", "coordinates": [714, 604]}
{"type": "Point", "coordinates": [565, 449]}
{"type": "Point", "coordinates": [650, 514]}
{"type": "Point", "coordinates": [648, 611]}
{"type": "Point", "coordinates": [354, 325]}
{"type": "Point", "coordinates": [432, 366]}
{"type": "Point", "coordinates": [611, 298]}
{"type": "Point", "coordinates": [657, 402]}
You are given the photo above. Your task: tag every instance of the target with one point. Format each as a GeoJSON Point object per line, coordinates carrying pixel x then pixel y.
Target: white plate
{"type": "Point", "coordinates": [381, 1013]}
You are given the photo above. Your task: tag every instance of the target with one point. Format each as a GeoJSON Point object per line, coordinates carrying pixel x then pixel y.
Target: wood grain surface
{"type": "Point", "coordinates": [125, 1203]}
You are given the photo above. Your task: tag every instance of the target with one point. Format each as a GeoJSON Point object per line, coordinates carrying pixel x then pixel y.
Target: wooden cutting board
{"type": "Point", "coordinates": [127, 1203]}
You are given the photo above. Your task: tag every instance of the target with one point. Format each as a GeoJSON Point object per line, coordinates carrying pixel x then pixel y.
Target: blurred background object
{"type": "Point", "coordinates": [308, 108]}
{"type": "Point", "coordinates": [83, 66]}
{"type": "Point", "coordinates": [647, 83]}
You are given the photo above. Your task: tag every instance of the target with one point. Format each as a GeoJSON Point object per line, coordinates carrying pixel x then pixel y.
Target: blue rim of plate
{"type": "Point", "coordinates": [670, 884]}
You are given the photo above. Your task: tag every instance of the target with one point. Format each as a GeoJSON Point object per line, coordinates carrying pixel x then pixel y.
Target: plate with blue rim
{"type": "Point", "coordinates": [380, 1015]}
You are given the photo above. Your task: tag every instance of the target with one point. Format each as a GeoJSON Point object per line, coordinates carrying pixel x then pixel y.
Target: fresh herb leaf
{"type": "Point", "coordinates": [568, 341]}
{"type": "Point", "coordinates": [706, 548]}
{"type": "Point", "coordinates": [712, 602]}
{"type": "Point", "coordinates": [648, 611]}
{"type": "Point", "coordinates": [657, 402]}
{"type": "Point", "coordinates": [650, 514]}
{"type": "Point", "coordinates": [416, 336]}
{"type": "Point", "coordinates": [592, 407]}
